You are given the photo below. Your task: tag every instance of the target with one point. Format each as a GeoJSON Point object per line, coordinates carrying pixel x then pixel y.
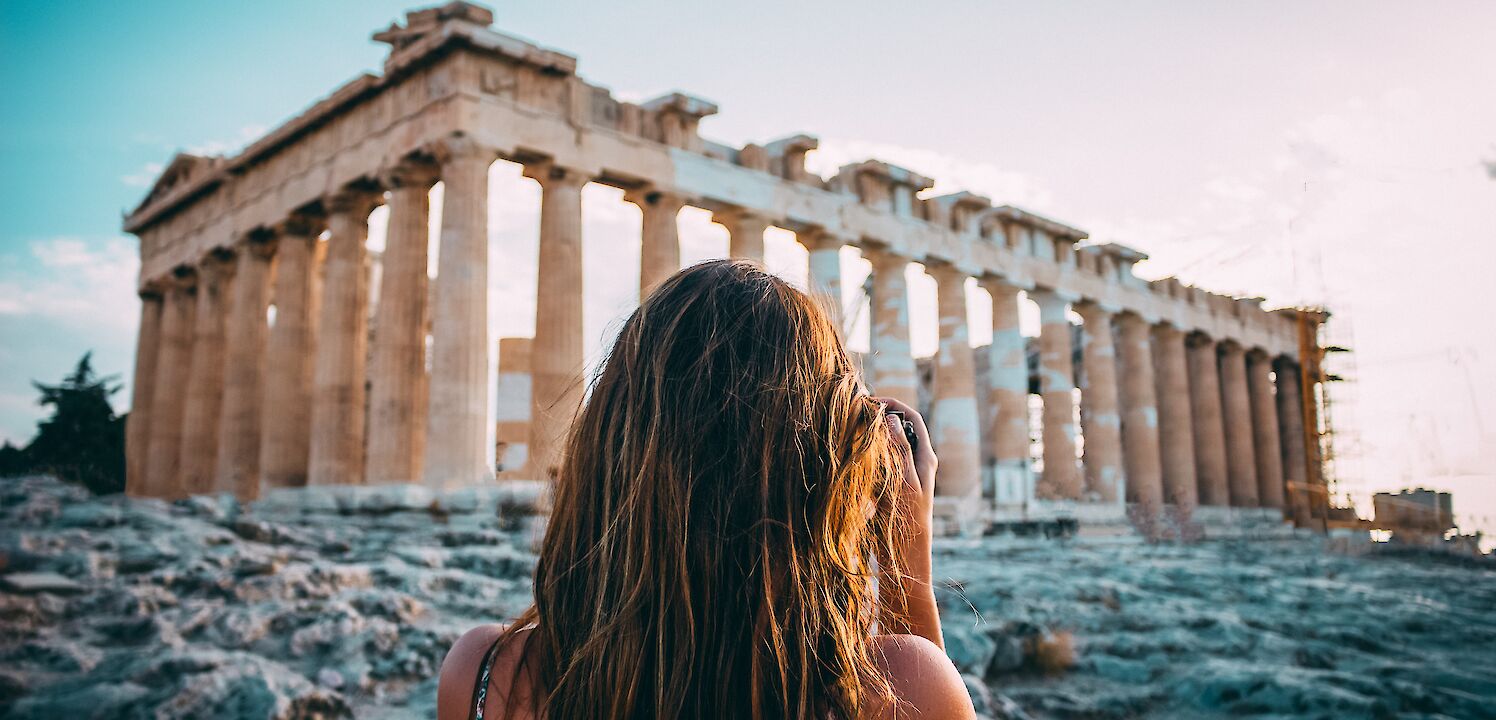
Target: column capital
{"type": "Point", "coordinates": [1050, 297]}
{"type": "Point", "coordinates": [734, 217]}
{"type": "Point", "coordinates": [1128, 319]}
{"type": "Point", "coordinates": [410, 173]}
{"type": "Point", "coordinates": [356, 201]}
{"type": "Point", "coordinates": [458, 147]}
{"type": "Point", "coordinates": [944, 272]}
{"type": "Point", "coordinates": [216, 265]}
{"type": "Point", "coordinates": [819, 238]}
{"type": "Point", "coordinates": [549, 174]}
{"type": "Point", "coordinates": [999, 284]}
{"type": "Point", "coordinates": [260, 242]}
{"type": "Point", "coordinates": [655, 198]}
{"type": "Point", "coordinates": [1230, 347]}
{"type": "Point", "coordinates": [882, 256]}
{"type": "Point", "coordinates": [1257, 355]}
{"type": "Point", "coordinates": [182, 277]}
{"type": "Point", "coordinates": [151, 290]}
{"type": "Point", "coordinates": [302, 224]}
{"type": "Point", "coordinates": [1092, 310]}
{"type": "Point", "coordinates": [1167, 330]}
{"type": "Point", "coordinates": [1199, 339]}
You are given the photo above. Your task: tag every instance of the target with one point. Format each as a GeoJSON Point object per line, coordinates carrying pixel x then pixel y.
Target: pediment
{"type": "Point", "coordinates": [183, 169]}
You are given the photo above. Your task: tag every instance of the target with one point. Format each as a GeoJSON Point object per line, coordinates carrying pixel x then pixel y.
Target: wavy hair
{"type": "Point", "coordinates": [718, 518]}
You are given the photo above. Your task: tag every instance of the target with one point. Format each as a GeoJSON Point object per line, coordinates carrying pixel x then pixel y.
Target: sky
{"type": "Point", "coordinates": [1325, 152]}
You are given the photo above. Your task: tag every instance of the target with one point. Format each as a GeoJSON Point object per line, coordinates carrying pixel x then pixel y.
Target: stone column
{"type": "Point", "coordinates": [1265, 431]}
{"type": "Point", "coordinates": [556, 358]}
{"type": "Point", "coordinates": [1100, 421]}
{"type": "Point", "coordinates": [138, 423]}
{"type": "Point", "coordinates": [1209, 428]}
{"type": "Point", "coordinates": [397, 362]}
{"type": "Point", "coordinates": [1176, 427]}
{"type": "Point", "coordinates": [285, 439]}
{"type": "Point", "coordinates": [890, 364]}
{"type": "Point", "coordinates": [512, 426]}
{"type": "Point", "coordinates": [1291, 425]}
{"type": "Point", "coordinates": [745, 233]}
{"type": "Point", "coordinates": [659, 251]}
{"type": "Point", "coordinates": [168, 391]}
{"type": "Point", "coordinates": [1140, 453]}
{"type": "Point", "coordinates": [457, 421]}
{"type": "Point", "coordinates": [955, 428]}
{"type": "Point", "coordinates": [1007, 394]}
{"type": "Point", "coordinates": [238, 468]}
{"type": "Point", "coordinates": [336, 453]}
{"type": "Point", "coordinates": [1061, 479]}
{"type": "Point", "coordinates": [825, 270]}
{"type": "Point", "coordinates": [1236, 404]}
{"type": "Point", "coordinates": [205, 378]}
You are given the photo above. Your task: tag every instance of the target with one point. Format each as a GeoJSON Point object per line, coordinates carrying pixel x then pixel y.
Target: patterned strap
{"type": "Point", "coordinates": [485, 672]}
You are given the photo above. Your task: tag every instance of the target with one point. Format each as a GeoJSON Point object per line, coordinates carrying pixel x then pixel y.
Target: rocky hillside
{"type": "Point", "coordinates": [341, 602]}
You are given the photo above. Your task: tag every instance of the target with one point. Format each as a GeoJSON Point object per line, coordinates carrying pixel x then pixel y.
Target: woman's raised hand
{"type": "Point", "coordinates": [919, 462]}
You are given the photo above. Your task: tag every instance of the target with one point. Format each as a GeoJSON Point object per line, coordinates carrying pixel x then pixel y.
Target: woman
{"type": "Point", "coordinates": [738, 530]}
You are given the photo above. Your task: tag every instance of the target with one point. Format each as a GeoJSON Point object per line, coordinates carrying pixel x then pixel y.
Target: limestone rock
{"type": "Point", "coordinates": [31, 583]}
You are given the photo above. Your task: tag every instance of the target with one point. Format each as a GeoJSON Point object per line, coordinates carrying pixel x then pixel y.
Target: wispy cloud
{"type": "Point", "coordinates": [245, 136]}
{"type": "Point", "coordinates": [145, 177]}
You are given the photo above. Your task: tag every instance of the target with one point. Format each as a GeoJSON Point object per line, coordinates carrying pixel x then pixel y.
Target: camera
{"type": "Point", "coordinates": [908, 427]}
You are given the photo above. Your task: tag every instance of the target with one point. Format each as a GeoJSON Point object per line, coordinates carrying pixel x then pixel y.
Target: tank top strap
{"type": "Point", "coordinates": [485, 673]}
{"type": "Point", "coordinates": [485, 670]}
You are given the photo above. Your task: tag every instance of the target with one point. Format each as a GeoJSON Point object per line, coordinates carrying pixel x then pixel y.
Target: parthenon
{"type": "Point", "coordinates": [260, 364]}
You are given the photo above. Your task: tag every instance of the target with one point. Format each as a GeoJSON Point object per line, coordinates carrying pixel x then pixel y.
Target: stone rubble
{"type": "Point", "coordinates": [337, 602]}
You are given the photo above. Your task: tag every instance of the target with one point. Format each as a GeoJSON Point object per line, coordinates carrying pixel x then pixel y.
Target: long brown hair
{"type": "Point", "coordinates": [723, 496]}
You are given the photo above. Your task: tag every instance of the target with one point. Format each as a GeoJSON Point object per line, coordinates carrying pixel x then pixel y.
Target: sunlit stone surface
{"type": "Point", "coordinates": [343, 600]}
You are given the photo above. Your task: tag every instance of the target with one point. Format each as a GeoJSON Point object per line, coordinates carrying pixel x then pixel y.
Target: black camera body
{"type": "Point", "coordinates": [908, 428]}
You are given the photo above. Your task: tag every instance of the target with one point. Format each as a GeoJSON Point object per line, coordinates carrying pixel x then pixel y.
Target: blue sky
{"type": "Point", "coordinates": [1309, 152]}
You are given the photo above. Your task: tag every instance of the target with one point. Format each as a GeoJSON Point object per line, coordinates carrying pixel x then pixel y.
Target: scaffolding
{"type": "Point", "coordinates": [1319, 501]}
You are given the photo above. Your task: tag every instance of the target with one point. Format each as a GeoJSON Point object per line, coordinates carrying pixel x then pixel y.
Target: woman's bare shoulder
{"type": "Point", "coordinates": [925, 682]}
{"type": "Point", "coordinates": [459, 672]}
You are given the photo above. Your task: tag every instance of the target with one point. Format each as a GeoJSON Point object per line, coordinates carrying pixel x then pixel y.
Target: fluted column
{"type": "Point", "coordinates": [1236, 405]}
{"type": "Point", "coordinates": [1061, 478]}
{"type": "Point", "coordinates": [336, 453]}
{"type": "Point", "coordinates": [205, 378]}
{"type": "Point", "coordinates": [1291, 423]}
{"type": "Point", "coordinates": [397, 361]}
{"type": "Point", "coordinates": [825, 269]}
{"type": "Point", "coordinates": [659, 250]}
{"type": "Point", "coordinates": [512, 424]}
{"type": "Point", "coordinates": [457, 420]}
{"type": "Point", "coordinates": [142, 389]}
{"type": "Point", "coordinates": [1176, 427]}
{"type": "Point", "coordinates": [1007, 392]}
{"type": "Point", "coordinates": [745, 233]}
{"type": "Point", "coordinates": [1100, 420]}
{"type": "Point", "coordinates": [556, 359]}
{"type": "Point", "coordinates": [1265, 431]}
{"type": "Point", "coordinates": [169, 394]}
{"type": "Point", "coordinates": [285, 434]}
{"type": "Point", "coordinates": [1209, 428]}
{"type": "Point", "coordinates": [238, 467]}
{"type": "Point", "coordinates": [890, 363]}
{"type": "Point", "coordinates": [955, 425]}
{"type": "Point", "coordinates": [1138, 393]}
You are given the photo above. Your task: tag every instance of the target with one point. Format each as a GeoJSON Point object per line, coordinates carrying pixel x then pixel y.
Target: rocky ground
{"type": "Point", "coordinates": [341, 603]}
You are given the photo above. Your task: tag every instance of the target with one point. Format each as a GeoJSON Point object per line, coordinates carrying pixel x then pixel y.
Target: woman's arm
{"type": "Point", "coordinates": [908, 599]}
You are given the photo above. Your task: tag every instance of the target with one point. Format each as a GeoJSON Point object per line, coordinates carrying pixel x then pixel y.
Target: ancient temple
{"type": "Point", "coordinates": [256, 367]}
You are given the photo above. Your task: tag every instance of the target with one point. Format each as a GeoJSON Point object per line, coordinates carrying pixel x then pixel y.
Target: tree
{"type": "Point", "coordinates": [83, 441]}
{"type": "Point", "coordinates": [13, 460]}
